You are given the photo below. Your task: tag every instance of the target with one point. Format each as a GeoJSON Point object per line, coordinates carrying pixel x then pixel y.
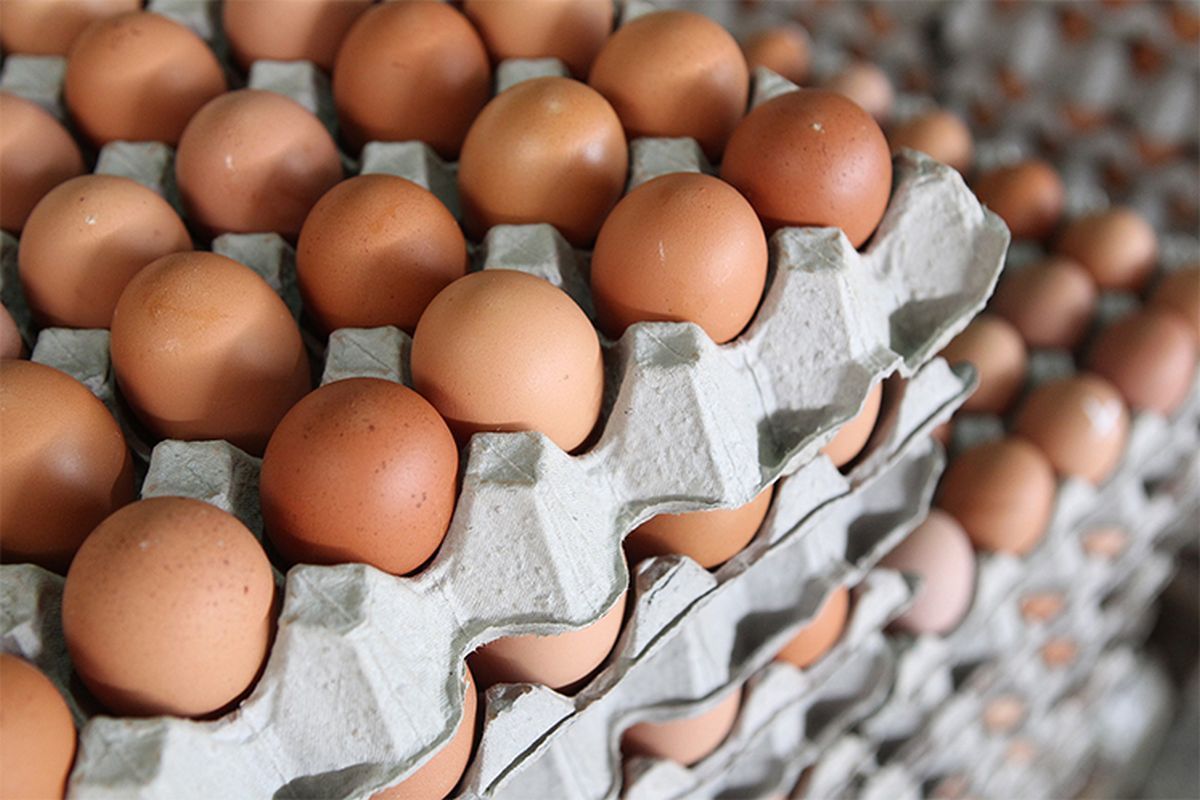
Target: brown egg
{"type": "Point", "coordinates": [253, 162]}
{"type": "Point", "coordinates": [1060, 652]}
{"type": "Point", "coordinates": [1179, 292]}
{"type": "Point", "coordinates": [501, 350]}
{"type": "Point", "coordinates": [783, 49]}
{"type": "Point", "coordinates": [11, 344]}
{"type": "Point", "coordinates": [939, 134]}
{"type": "Point", "coordinates": [1080, 423]}
{"type": "Point", "coordinates": [1004, 714]}
{"type": "Point", "coordinates": [1041, 607]}
{"type": "Point", "coordinates": [938, 552]}
{"type": "Point", "coordinates": [360, 470]}
{"type": "Point", "coordinates": [683, 247]}
{"type": "Point", "coordinates": [996, 350]}
{"type": "Point", "coordinates": [674, 73]}
{"type": "Point", "coordinates": [573, 31]}
{"type": "Point", "coordinates": [815, 639]}
{"type": "Point", "coordinates": [139, 77]}
{"type": "Point", "coordinates": [812, 158]}
{"type": "Point", "coordinates": [37, 733]}
{"type": "Point", "coordinates": [684, 741]}
{"type": "Point", "coordinates": [169, 608]}
{"type": "Point", "coordinates": [559, 661]}
{"type": "Point", "coordinates": [545, 150]}
{"type": "Point", "coordinates": [1150, 356]}
{"type": "Point", "coordinates": [36, 154]}
{"type": "Point", "coordinates": [710, 538]}
{"type": "Point", "coordinates": [49, 27]}
{"type": "Point", "coordinates": [374, 251]}
{"type": "Point", "coordinates": [288, 30]}
{"type": "Point", "coordinates": [202, 348]}
{"type": "Point", "coordinates": [64, 461]}
{"type": "Point", "coordinates": [1050, 303]}
{"type": "Point", "coordinates": [84, 242]}
{"type": "Point", "coordinates": [1002, 493]}
{"type": "Point", "coordinates": [1106, 543]}
{"type": "Point", "coordinates": [411, 71]}
{"type": "Point", "coordinates": [868, 86]}
{"type": "Point", "coordinates": [1028, 196]}
{"type": "Point", "coordinates": [852, 437]}
{"type": "Point", "coordinates": [1118, 246]}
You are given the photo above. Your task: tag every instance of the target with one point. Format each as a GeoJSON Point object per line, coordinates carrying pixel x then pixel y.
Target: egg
{"type": "Point", "coordinates": [501, 350]}
{"type": "Point", "coordinates": [815, 639]}
{"type": "Point", "coordinates": [867, 85]}
{"type": "Point", "coordinates": [50, 27]}
{"type": "Point", "coordinates": [997, 352]}
{"type": "Point", "coordinates": [573, 31]}
{"type": "Point", "coordinates": [559, 661]}
{"type": "Point", "coordinates": [1150, 357]}
{"type": "Point", "coordinates": [36, 154]}
{"type": "Point", "coordinates": [1003, 714]}
{"type": "Point", "coordinates": [64, 461]}
{"type": "Point", "coordinates": [1041, 607]}
{"type": "Point", "coordinates": [1179, 292]}
{"type": "Point", "coordinates": [545, 150]}
{"type": "Point", "coordinates": [11, 344]}
{"type": "Point", "coordinates": [1105, 543]}
{"type": "Point", "coordinates": [85, 240]}
{"type": "Point", "coordinates": [1118, 247]}
{"type": "Point", "coordinates": [169, 608]}
{"type": "Point", "coordinates": [938, 552]}
{"type": "Point", "coordinates": [812, 158]}
{"type": "Point", "coordinates": [784, 49]}
{"type": "Point", "coordinates": [139, 77]}
{"type": "Point", "coordinates": [37, 733]}
{"type": "Point", "coordinates": [1002, 493]}
{"type": "Point", "coordinates": [360, 470]}
{"type": "Point", "coordinates": [672, 74]}
{"type": "Point", "coordinates": [1060, 652]}
{"type": "Point", "coordinates": [683, 247]}
{"type": "Point", "coordinates": [1029, 196]}
{"type": "Point", "coordinates": [939, 134]}
{"type": "Point", "coordinates": [1080, 423]}
{"type": "Point", "coordinates": [852, 437]}
{"type": "Point", "coordinates": [710, 537]}
{"type": "Point", "coordinates": [1050, 303]}
{"type": "Point", "coordinates": [411, 71]}
{"type": "Point", "coordinates": [203, 348]}
{"type": "Point", "coordinates": [288, 30]}
{"type": "Point", "coordinates": [687, 740]}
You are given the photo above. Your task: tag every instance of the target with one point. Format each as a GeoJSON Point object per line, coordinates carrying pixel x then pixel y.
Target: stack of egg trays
{"type": "Point", "coordinates": [834, 322]}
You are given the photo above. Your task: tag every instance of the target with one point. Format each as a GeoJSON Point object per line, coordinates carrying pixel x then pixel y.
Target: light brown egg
{"type": "Point", "coordinates": [710, 538]}
{"type": "Point", "coordinates": [545, 150]}
{"type": "Point", "coordinates": [50, 27]}
{"type": "Point", "coordinates": [1004, 714]}
{"type": "Point", "coordinates": [288, 30]}
{"type": "Point", "coordinates": [815, 639]}
{"type": "Point", "coordinates": [1179, 292]}
{"type": "Point", "coordinates": [411, 71]}
{"type": "Point", "coordinates": [849, 441]}
{"type": "Point", "coordinates": [688, 740]}
{"type": "Point", "coordinates": [1106, 543]}
{"type": "Point", "coordinates": [1118, 247]}
{"type": "Point", "coordinates": [559, 661]}
{"type": "Point", "coordinates": [139, 77]}
{"type": "Point", "coordinates": [1150, 356]}
{"type": "Point", "coordinates": [996, 350]}
{"type": "Point", "coordinates": [1041, 607]}
{"type": "Point", "coordinates": [573, 31]}
{"type": "Point", "coordinates": [1002, 493]}
{"type": "Point", "coordinates": [1080, 423]}
{"type": "Point", "coordinates": [37, 733]}
{"type": "Point", "coordinates": [867, 85]}
{"type": "Point", "coordinates": [36, 154]}
{"type": "Point", "coordinates": [683, 247]}
{"type": "Point", "coordinates": [1028, 196]}
{"type": "Point", "coordinates": [501, 350]}
{"type": "Point", "coordinates": [939, 134]}
{"type": "Point", "coordinates": [674, 73]}
{"type": "Point", "coordinates": [64, 461]}
{"type": "Point", "coordinates": [252, 162]}
{"type": "Point", "coordinates": [812, 158]}
{"type": "Point", "coordinates": [1060, 652]}
{"type": "Point", "coordinates": [11, 344]}
{"type": "Point", "coordinates": [938, 552]}
{"type": "Point", "coordinates": [1050, 303]}
{"type": "Point", "coordinates": [169, 608]}
{"type": "Point", "coordinates": [784, 49]}
{"type": "Point", "coordinates": [84, 242]}
{"type": "Point", "coordinates": [203, 348]}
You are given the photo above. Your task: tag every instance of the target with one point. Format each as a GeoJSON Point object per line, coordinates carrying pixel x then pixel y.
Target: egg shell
{"type": "Point", "coordinates": [814, 640]}
{"type": "Point", "coordinates": [37, 733]}
{"type": "Point", "coordinates": [288, 30]}
{"type": "Point", "coordinates": [709, 538]}
{"type": "Point", "coordinates": [940, 134]}
{"type": "Point", "coordinates": [684, 741]}
{"type": "Point", "coordinates": [996, 350]}
{"type": "Point", "coordinates": [11, 344]}
{"type": "Point", "coordinates": [1004, 714]}
{"type": "Point", "coordinates": [37, 27]}
{"type": "Point", "coordinates": [1060, 652]}
{"type": "Point", "coordinates": [1118, 247]}
{"type": "Point", "coordinates": [1041, 607]}
{"type": "Point", "coordinates": [1106, 543]}
{"type": "Point", "coordinates": [939, 553]}
{"type": "Point", "coordinates": [855, 432]}
{"type": "Point", "coordinates": [784, 49]}
{"type": "Point", "coordinates": [36, 154]}
{"type": "Point", "coordinates": [1028, 196]}
{"type": "Point", "coordinates": [868, 86]}
{"type": "Point", "coordinates": [1150, 357]}
{"type": "Point", "coordinates": [1080, 423]}
{"type": "Point", "coordinates": [573, 31]}
{"type": "Point", "coordinates": [1179, 292]}
{"type": "Point", "coordinates": [1050, 303]}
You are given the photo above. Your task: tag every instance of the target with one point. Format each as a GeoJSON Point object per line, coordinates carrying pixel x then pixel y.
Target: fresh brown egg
{"type": "Point", "coordinates": [11, 344]}
{"type": "Point", "coordinates": [683, 247]}
{"type": "Point", "coordinates": [1179, 292]}
{"type": "Point", "coordinates": [288, 30]}
{"type": "Point", "coordinates": [852, 437]}
{"type": "Point", "coordinates": [867, 85]}
{"type": "Point", "coordinates": [812, 158]}
{"type": "Point", "coordinates": [1118, 247]}
{"type": "Point", "coordinates": [938, 552]}
{"type": "Point", "coordinates": [1080, 423]}
{"type": "Point", "coordinates": [169, 608]}
{"type": "Point", "coordinates": [84, 242]}
{"type": "Point", "coordinates": [501, 350]}
{"type": "Point", "coordinates": [1106, 542]}
{"type": "Point", "coordinates": [374, 251]}
{"type": "Point", "coordinates": [784, 49]}
{"type": "Point", "coordinates": [710, 538]}
{"type": "Point", "coordinates": [1004, 714]}
{"type": "Point", "coordinates": [139, 77]}
{"type": "Point", "coordinates": [687, 740]}
{"type": "Point", "coordinates": [253, 162]}
{"type": "Point", "coordinates": [411, 71]}
{"type": "Point", "coordinates": [996, 350]}
{"type": "Point", "coordinates": [939, 134]}
{"type": "Point", "coordinates": [203, 348]}
{"type": "Point", "coordinates": [814, 640]}
{"type": "Point", "coordinates": [1150, 356]}
{"type": "Point", "coordinates": [37, 733]}
{"type": "Point", "coordinates": [573, 31]}
{"type": "Point", "coordinates": [1041, 607]}
{"type": "Point", "coordinates": [50, 27]}
{"type": "Point", "coordinates": [1028, 196]}
{"type": "Point", "coordinates": [1002, 493]}
{"type": "Point", "coordinates": [1060, 652]}
{"type": "Point", "coordinates": [64, 461]}
{"type": "Point", "coordinates": [545, 150]}
{"type": "Point", "coordinates": [36, 154]}
{"type": "Point", "coordinates": [1050, 303]}
{"type": "Point", "coordinates": [674, 73]}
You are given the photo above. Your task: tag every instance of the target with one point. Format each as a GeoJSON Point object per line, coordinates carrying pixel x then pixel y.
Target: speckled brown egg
{"type": "Point", "coordinates": [855, 432]}
{"type": "Point", "coordinates": [50, 27]}
{"type": "Point", "coordinates": [684, 740]}
{"type": "Point", "coordinates": [1028, 196]}
{"type": "Point", "coordinates": [36, 154]}
{"type": "Point", "coordinates": [11, 344]}
{"type": "Point", "coordinates": [1150, 356]}
{"type": "Point", "coordinates": [994, 347]}
{"type": "Point", "coordinates": [573, 31]}
{"type": "Point", "coordinates": [1050, 303]}
{"type": "Point", "coordinates": [821, 633]}
{"type": "Point", "coordinates": [867, 85]}
{"type": "Point", "coordinates": [784, 49]}
{"type": "Point", "coordinates": [710, 538]}
{"type": "Point", "coordinates": [1080, 423]}
{"type": "Point", "coordinates": [939, 134]}
{"type": "Point", "coordinates": [1179, 292]}
{"type": "Point", "coordinates": [37, 733]}
{"type": "Point", "coordinates": [1118, 247]}
{"type": "Point", "coordinates": [288, 30]}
